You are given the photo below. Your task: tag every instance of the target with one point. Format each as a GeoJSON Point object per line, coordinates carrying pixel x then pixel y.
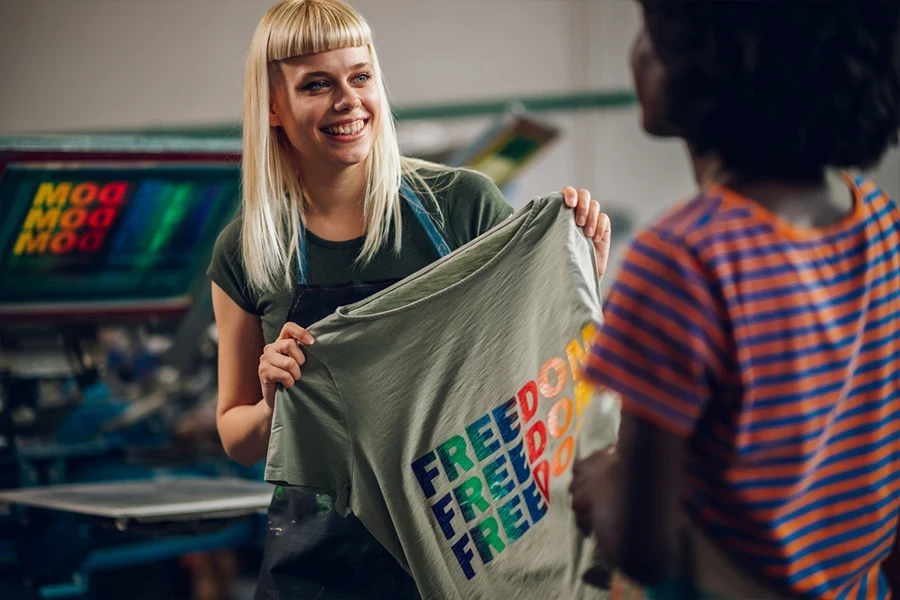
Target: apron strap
{"type": "Point", "coordinates": [431, 230]}
{"type": "Point", "coordinates": [301, 256]}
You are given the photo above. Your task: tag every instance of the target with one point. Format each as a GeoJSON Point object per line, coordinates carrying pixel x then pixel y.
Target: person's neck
{"type": "Point", "coordinates": [768, 189]}
{"type": "Point", "coordinates": [334, 193]}
{"type": "Point", "coordinates": [708, 169]}
{"type": "Point", "coordinates": [704, 166]}
{"type": "Point", "coordinates": [807, 202]}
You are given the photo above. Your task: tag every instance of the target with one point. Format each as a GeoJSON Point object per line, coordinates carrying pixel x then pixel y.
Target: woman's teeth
{"type": "Point", "coordinates": [346, 129]}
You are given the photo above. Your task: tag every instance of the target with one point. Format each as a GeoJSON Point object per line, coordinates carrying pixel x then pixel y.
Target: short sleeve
{"type": "Point", "coordinates": [663, 342]}
{"type": "Point", "coordinates": [226, 268]}
{"type": "Point", "coordinates": [475, 205]}
{"type": "Point", "coordinates": [309, 446]}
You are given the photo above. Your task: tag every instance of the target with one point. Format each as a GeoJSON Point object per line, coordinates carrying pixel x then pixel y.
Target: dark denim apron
{"type": "Point", "coordinates": [310, 551]}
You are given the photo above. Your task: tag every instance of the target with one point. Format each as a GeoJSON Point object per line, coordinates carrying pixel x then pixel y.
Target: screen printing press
{"type": "Point", "coordinates": [109, 456]}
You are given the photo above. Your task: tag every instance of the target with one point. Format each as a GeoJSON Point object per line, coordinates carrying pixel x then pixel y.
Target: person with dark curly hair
{"type": "Point", "coordinates": [753, 331]}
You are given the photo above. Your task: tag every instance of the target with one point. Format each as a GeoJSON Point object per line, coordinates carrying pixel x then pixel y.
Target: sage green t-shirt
{"type": "Point", "coordinates": [446, 412]}
{"type": "Point", "coordinates": [469, 204]}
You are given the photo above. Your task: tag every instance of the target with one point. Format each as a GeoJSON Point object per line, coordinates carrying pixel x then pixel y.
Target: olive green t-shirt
{"type": "Point", "coordinates": [447, 411]}
{"type": "Point", "coordinates": [468, 204]}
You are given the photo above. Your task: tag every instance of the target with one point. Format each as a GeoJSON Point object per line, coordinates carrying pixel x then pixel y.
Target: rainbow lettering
{"type": "Point", "coordinates": [68, 217]}
{"type": "Point", "coordinates": [501, 461]}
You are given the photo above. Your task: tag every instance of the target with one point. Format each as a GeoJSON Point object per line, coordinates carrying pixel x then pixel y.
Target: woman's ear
{"type": "Point", "coordinates": [274, 121]}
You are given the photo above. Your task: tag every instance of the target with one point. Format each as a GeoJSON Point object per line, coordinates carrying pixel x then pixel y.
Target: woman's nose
{"type": "Point", "coordinates": [348, 100]}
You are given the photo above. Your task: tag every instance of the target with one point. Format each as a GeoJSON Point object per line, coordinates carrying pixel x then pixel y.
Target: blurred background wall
{"type": "Point", "coordinates": [75, 65]}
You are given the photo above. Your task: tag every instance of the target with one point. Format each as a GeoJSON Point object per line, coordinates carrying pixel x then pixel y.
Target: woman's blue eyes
{"type": "Point", "coordinates": [315, 86]}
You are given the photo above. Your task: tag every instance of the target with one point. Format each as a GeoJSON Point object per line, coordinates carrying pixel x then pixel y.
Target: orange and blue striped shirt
{"type": "Point", "coordinates": [776, 352]}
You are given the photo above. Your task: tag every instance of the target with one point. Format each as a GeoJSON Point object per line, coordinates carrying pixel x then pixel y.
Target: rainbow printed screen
{"type": "Point", "coordinates": [109, 233]}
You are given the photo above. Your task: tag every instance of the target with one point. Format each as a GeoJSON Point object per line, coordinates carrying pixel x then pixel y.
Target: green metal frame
{"type": "Point", "coordinates": [532, 104]}
{"type": "Point", "coordinates": [588, 100]}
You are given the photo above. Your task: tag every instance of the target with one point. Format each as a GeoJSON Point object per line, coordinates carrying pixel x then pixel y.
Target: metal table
{"type": "Point", "coordinates": [163, 499]}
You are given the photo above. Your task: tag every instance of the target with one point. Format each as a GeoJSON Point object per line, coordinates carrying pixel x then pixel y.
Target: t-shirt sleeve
{"type": "Point", "coordinates": [475, 205]}
{"type": "Point", "coordinates": [226, 268]}
{"type": "Point", "coordinates": [309, 446]}
{"type": "Point", "coordinates": [663, 341]}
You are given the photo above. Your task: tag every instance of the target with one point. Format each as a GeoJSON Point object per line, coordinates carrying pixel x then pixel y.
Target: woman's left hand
{"type": "Point", "coordinates": [594, 223]}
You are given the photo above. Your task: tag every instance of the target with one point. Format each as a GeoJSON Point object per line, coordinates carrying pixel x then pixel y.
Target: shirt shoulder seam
{"type": "Point", "coordinates": [350, 436]}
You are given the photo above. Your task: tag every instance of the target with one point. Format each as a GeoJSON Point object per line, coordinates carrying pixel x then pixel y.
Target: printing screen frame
{"type": "Point", "coordinates": [140, 166]}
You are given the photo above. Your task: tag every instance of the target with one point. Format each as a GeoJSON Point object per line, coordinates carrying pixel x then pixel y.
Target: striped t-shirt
{"type": "Point", "coordinates": [776, 351]}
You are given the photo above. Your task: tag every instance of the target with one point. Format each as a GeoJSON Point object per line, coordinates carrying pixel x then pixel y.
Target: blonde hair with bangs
{"type": "Point", "coordinates": [273, 196]}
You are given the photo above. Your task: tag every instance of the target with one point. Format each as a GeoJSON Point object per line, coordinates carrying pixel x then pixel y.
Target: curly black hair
{"type": "Point", "coordinates": [781, 88]}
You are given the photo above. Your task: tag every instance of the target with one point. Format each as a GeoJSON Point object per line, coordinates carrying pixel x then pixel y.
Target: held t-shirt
{"type": "Point", "coordinates": [446, 412]}
{"type": "Point", "coordinates": [468, 204]}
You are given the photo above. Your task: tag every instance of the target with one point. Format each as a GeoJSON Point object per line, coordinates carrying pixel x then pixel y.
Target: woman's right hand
{"type": "Point", "coordinates": [281, 361]}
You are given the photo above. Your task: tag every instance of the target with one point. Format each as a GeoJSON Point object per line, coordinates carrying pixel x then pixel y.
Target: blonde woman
{"type": "Point", "coordinates": [331, 213]}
